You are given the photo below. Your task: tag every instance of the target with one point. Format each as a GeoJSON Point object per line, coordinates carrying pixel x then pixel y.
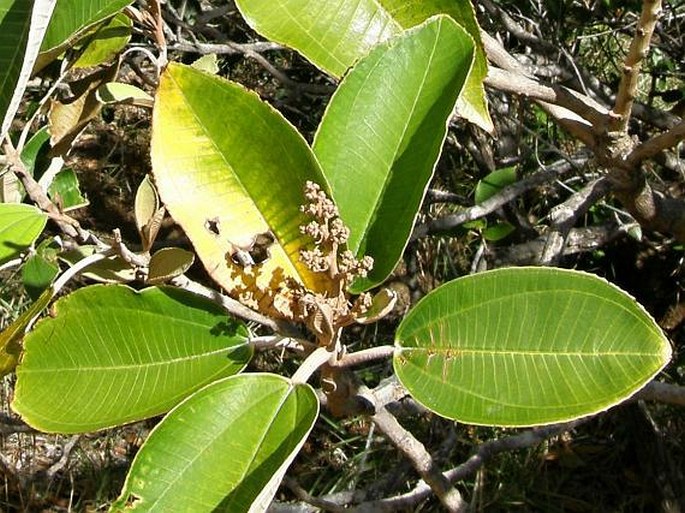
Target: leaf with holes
{"type": "Point", "coordinates": [230, 168]}
{"type": "Point", "coordinates": [527, 346]}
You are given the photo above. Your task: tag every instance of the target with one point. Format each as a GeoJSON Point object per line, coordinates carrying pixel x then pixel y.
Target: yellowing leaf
{"type": "Point", "coordinates": [230, 168]}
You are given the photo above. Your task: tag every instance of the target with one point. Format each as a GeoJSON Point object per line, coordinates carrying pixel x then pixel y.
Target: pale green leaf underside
{"type": "Point", "coordinates": [526, 346]}
{"type": "Point", "coordinates": [383, 131]}
{"type": "Point", "coordinates": [336, 33]}
{"type": "Point", "coordinates": [218, 449]}
{"type": "Point", "coordinates": [112, 355]}
{"type": "Point", "coordinates": [228, 167]}
{"type": "Point", "coordinates": [20, 226]}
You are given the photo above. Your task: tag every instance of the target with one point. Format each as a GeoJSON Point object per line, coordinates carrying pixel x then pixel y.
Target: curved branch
{"type": "Point", "coordinates": [500, 199]}
{"type": "Point", "coordinates": [656, 145]}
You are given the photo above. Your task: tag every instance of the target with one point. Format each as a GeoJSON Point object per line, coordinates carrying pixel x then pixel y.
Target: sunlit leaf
{"type": "Point", "coordinates": [378, 151]}
{"type": "Point", "coordinates": [65, 191]}
{"type": "Point", "coordinates": [22, 27]}
{"type": "Point", "coordinates": [118, 92]}
{"type": "Point", "coordinates": [168, 263]}
{"type": "Point", "coordinates": [71, 20]}
{"type": "Point", "coordinates": [110, 270]}
{"type": "Point", "coordinates": [336, 33]}
{"type": "Point", "coordinates": [229, 168]}
{"type": "Point", "coordinates": [20, 226]}
{"type": "Point", "coordinates": [111, 355]}
{"type": "Point", "coordinates": [247, 430]}
{"type": "Point", "coordinates": [107, 42]}
{"type": "Point", "coordinates": [526, 346]}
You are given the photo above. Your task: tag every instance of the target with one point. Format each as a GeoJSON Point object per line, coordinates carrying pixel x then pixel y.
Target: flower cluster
{"type": "Point", "coordinates": [326, 314]}
{"type": "Point", "coordinates": [330, 235]}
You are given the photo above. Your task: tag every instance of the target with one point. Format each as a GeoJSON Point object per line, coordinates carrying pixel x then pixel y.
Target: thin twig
{"type": "Point", "coordinates": [523, 440]}
{"type": "Point", "coordinates": [67, 225]}
{"type": "Point", "coordinates": [157, 25]}
{"type": "Point", "coordinates": [639, 47]}
{"type": "Point", "coordinates": [564, 216]}
{"type": "Point", "coordinates": [9, 425]}
{"type": "Point", "coordinates": [657, 144]}
{"type": "Point", "coordinates": [364, 356]}
{"type": "Point", "coordinates": [579, 240]}
{"type": "Point", "coordinates": [304, 496]}
{"type": "Point", "coordinates": [232, 306]}
{"type": "Point", "coordinates": [229, 48]}
{"type": "Point", "coordinates": [281, 342]}
{"type": "Point", "coordinates": [422, 461]}
{"type": "Point", "coordinates": [663, 393]}
{"type": "Point", "coordinates": [507, 194]}
{"type": "Point", "coordinates": [62, 462]}
{"type": "Point", "coordinates": [484, 453]}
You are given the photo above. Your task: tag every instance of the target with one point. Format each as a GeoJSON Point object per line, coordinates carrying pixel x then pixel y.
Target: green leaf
{"type": "Point", "coordinates": [331, 34]}
{"type": "Point", "coordinates": [35, 154]}
{"type": "Point", "coordinates": [378, 151]}
{"type": "Point", "coordinates": [71, 20]}
{"type": "Point", "coordinates": [498, 231]}
{"type": "Point", "coordinates": [21, 33]}
{"type": "Point", "coordinates": [225, 449]}
{"type": "Point", "coordinates": [64, 190]}
{"type": "Point", "coordinates": [111, 355]}
{"type": "Point", "coordinates": [494, 182]}
{"type": "Point", "coordinates": [10, 348]}
{"type": "Point", "coordinates": [207, 63]}
{"type": "Point", "coordinates": [168, 263]}
{"type": "Point", "coordinates": [527, 346]}
{"type": "Point", "coordinates": [37, 275]}
{"type": "Point", "coordinates": [107, 42]}
{"type": "Point", "coordinates": [472, 103]}
{"type": "Point", "coordinates": [20, 226]}
{"type": "Point", "coordinates": [336, 33]}
{"type": "Point", "coordinates": [146, 203]}
{"type": "Point", "coordinates": [118, 92]}
{"type": "Point", "coordinates": [229, 167]}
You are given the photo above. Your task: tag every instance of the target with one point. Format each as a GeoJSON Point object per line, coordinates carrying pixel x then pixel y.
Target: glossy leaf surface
{"type": "Point", "coordinates": [219, 449]}
{"type": "Point", "coordinates": [336, 33]}
{"type": "Point", "coordinates": [22, 27]}
{"type": "Point", "coordinates": [20, 226]}
{"type": "Point", "coordinates": [71, 20]}
{"type": "Point", "coordinates": [378, 151]}
{"type": "Point", "coordinates": [111, 355]}
{"type": "Point", "coordinates": [527, 346]}
{"type": "Point", "coordinates": [107, 42]}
